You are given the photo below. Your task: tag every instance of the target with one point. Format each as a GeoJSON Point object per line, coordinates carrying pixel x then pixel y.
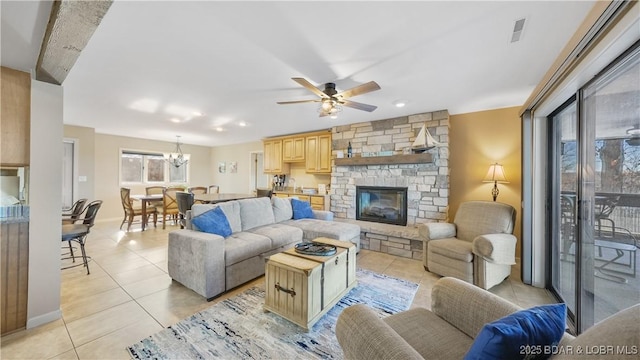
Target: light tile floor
{"type": "Point", "coordinates": [129, 296]}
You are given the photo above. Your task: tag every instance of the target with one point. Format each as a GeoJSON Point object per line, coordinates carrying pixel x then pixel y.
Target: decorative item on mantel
{"type": "Point", "coordinates": [424, 141]}
{"type": "Point", "coordinates": [495, 175]}
{"type": "Point", "coordinates": [176, 158]}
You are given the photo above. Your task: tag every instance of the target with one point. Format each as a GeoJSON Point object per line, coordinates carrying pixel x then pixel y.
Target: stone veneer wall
{"type": "Point", "coordinates": [427, 184]}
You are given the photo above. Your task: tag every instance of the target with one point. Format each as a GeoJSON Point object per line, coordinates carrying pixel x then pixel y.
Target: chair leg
{"type": "Point", "coordinates": [84, 255]}
{"type": "Point", "coordinates": [155, 219]}
{"type": "Point", "coordinates": [164, 220]}
{"type": "Point", "coordinates": [73, 258]}
{"type": "Point", "coordinates": [123, 220]}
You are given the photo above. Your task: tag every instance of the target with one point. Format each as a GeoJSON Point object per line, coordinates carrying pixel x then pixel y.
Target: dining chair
{"type": "Point", "coordinates": [214, 189]}
{"type": "Point", "coordinates": [169, 204]}
{"type": "Point", "coordinates": [154, 190]}
{"type": "Point", "coordinates": [130, 211]}
{"type": "Point", "coordinates": [78, 233]}
{"type": "Point", "coordinates": [196, 190]}
{"type": "Point", "coordinates": [71, 216]}
{"type": "Point", "coordinates": [185, 201]}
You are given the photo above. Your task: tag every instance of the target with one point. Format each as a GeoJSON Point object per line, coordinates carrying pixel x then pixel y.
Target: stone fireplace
{"type": "Point", "coordinates": [426, 182]}
{"type": "Point", "coordinates": [382, 204]}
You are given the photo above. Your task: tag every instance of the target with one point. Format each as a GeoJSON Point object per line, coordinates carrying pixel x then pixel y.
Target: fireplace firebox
{"type": "Point", "coordinates": [382, 204]}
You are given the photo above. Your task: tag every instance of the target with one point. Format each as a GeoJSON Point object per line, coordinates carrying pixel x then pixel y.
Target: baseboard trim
{"type": "Point", "coordinates": [43, 319]}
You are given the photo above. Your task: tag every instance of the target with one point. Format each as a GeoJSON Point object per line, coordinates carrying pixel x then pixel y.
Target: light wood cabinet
{"type": "Point", "coordinates": [15, 117]}
{"type": "Point", "coordinates": [273, 157]}
{"type": "Point", "coordinates": [293, 149]}
{"type": "Point", "coordinates": [318, 202]}
{"type": "Point", "coordinates": [318, 154]}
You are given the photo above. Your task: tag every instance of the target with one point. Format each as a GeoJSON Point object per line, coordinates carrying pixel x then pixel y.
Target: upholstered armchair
{"type": "Point", "coordinates": [478, 247]}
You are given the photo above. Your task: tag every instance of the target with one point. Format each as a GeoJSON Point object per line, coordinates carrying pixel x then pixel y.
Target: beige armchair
{"type": "Point", "coordinates": [478, 247]}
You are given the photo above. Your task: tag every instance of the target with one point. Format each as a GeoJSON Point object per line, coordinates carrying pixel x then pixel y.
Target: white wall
{"type": "Point", "coordinates": [45, 203]}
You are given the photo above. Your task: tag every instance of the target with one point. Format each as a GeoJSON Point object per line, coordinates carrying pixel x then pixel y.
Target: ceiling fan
{"type": "Point", "coordinates": [331, 101]}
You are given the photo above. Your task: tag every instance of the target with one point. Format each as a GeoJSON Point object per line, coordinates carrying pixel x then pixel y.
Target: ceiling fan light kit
{"type": "Point", "coordinates": [331, 101]}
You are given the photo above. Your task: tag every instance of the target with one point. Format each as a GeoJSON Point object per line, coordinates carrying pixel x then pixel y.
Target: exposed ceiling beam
{"type": "Point", "coordinates": [71, 25]}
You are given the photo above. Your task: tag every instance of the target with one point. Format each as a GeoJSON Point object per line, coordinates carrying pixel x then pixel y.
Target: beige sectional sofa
{"type": "Point", "coordinates": [210, 264]}
{"type": "Point", "coordinates": [458, 312]}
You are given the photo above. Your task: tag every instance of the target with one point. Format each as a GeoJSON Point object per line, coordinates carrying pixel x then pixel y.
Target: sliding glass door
{"type": "Point", "coordinates": [595, 201]}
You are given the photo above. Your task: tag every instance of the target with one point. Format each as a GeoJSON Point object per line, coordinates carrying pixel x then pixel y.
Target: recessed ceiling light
{"type": "Point", "coordinates": [176, 120]}
{"type": "Point", "coordinates": [219, 129]}
{"type": "Point", "coordinates": [334, 116]}
{"type": "Point", "coordinates": [197, 113]}
{"type": "Point", "coordinates": [400, 103]}
{"type": "Point", "coordinates": [242, 123]}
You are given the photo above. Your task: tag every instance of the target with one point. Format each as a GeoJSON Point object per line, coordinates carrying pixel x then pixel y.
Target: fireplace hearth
{"type": "Point", "coordinates": [382, 204]}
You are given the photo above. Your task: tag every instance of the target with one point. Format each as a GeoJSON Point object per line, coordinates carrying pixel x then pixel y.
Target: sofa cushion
{"type": "Point", "coordinates": [520, 335]}
{"type": "Point", "coordinates": [213, 222]}
{"type": "Point", "coordinates": [231, 210]}
{"type": "Point", "coordinates": [451, 248]}
{"type": "Point", "coordinates": [243, 245]}
{"type": "Point", "coordinates": [255, 212]}
{"type": "Point", "coordinates": [279, 234]}
{"type": "Point", "coordinates": [314, 228]}
{"type": "Point", "coordinates": [431, 336]}
{"type": "Point", "coordinates": [281, 209]}
{"type": "Point", "coordinates": [301, 209]}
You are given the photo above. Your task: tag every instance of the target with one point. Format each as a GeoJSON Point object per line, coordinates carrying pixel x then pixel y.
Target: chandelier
{"type": "Point", "coordinates": [176, 158]}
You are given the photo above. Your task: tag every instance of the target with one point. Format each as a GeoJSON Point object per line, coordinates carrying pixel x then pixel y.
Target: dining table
{"type": "Point", "coordinates": [220, 197]}
{"type": "Point", "coordinates": [145, 200]}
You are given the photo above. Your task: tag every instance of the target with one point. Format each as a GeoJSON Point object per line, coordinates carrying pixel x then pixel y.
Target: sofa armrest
{"type": "Point", "coordinates": [323, 215]}
{"type": "Point", "coordinates": [196, 260]}
{"type": "Point", "coordinates": [433, 231]}
{"type": "Point", "coordinates": [362, 335]}
{"type": "Point", "coordinates": [466, 306]}
{"type": "Point", "coordinates": [496, 248]}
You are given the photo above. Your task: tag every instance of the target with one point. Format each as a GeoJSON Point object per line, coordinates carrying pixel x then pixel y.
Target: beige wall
{"type": "Point", "coordinates": [476, 140]}
{"type": "Point", "coordinates": [238, 182]}
{"type": "Point", "coordinates": [107, 163]}
{"type": "Point", "coordinates": [45, 182]}
{"type": "Point", "coordinates": [85, 151]}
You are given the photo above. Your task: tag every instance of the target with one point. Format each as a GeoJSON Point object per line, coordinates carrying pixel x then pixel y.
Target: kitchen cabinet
{"type": "Point", "coordinates": [15, 117]}
{"type": "Point", "coordinates": [318, 154]}
{"type": "Point", "coordinates": [318, 202]}
{"type": "Point", "coordinates": [273, 163]}
{"type": "Point", "coordinates": [293, 149]}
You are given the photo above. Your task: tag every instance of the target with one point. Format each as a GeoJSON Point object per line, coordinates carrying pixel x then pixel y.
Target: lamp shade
{"type": "Point", "coordinates": [495, 173]}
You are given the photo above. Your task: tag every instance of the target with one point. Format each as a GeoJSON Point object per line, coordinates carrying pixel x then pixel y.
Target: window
{"type": "Point", "coordinates": [138, 167]}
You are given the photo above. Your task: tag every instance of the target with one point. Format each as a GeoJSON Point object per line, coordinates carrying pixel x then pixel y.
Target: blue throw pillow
{"type": "Point", "coordinates": [301, 209]}
{"type": "Point", "coordinates": [213, 222]}
{"type": "Point", "coordinates": [529, 334]}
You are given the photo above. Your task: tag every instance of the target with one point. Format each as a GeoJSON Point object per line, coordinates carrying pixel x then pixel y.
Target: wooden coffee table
{"type": "Point", "coordinates": [302, 288]}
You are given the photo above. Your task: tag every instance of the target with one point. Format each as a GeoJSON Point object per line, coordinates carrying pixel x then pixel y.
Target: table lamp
{"type": "Point", "coordinates": [495, 175]}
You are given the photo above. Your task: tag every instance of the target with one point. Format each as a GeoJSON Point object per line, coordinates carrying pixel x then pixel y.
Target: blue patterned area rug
{"type": "Point", "coordinates": [238, 328]}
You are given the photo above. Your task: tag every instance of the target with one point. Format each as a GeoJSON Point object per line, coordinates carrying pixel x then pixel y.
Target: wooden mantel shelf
{"type": "Point", "coordinates": [386, 160]}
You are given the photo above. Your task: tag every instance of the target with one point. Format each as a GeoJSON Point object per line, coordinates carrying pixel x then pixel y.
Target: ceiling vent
{"type": "Point", "coordinates": [518, 28]}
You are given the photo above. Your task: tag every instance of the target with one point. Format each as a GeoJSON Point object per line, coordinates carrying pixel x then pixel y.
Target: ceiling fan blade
{"type": "Point", "coordinates": [310, 87]}
{"type": "Point", "coordinates": [296, 102]}
{"type": "Point", "coordinates": [360, 89]}
{"type": "Point", "coordinates": [357, 105]}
